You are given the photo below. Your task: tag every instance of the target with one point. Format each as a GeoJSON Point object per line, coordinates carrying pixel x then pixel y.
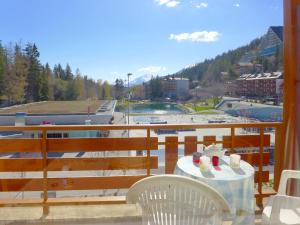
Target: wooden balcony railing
{"type": "Point", "coordinates": [149, 142]}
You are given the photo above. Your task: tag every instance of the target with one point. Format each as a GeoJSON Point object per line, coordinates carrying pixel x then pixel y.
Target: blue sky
{"type": "Point", "coordinates": [106, 39]}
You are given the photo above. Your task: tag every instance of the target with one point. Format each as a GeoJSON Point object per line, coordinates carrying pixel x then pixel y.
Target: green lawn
{"type": "Point", "coordinates": [202, 106]}
{"type": "Point", "coordinates": [55, 107]}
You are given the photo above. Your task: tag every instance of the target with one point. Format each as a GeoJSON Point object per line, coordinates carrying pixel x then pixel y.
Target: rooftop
{"type": "Point", "coordinates": [274, 75]}
{"type": "Point", "coordinates": [55, 107]}
{"type": "Point", "coordinates": [278, 30]}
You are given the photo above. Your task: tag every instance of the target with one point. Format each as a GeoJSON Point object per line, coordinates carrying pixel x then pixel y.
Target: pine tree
{"type": "Point", "coordinates": [2, 68]}
{"type": "Point", "coordinates": [24, 78]}
{"type": "Point", "coordinates": [56, 72]}
{"type": "Point", "coordinates": [44, 89]}
{"type": "Point", "coordinates": [59, 72]}
{"type": "Point", "coordinates": [68, 73]}
{"type": "Point", "coordinates": [156, 87]}
{"type": "Point", "coordinates": [119, 88]}
{"type": "Point", "coordinates": [50, 78]}
{"type": "Point", "coordinates": [19, 73]}
{"type": "Point", "coordinates": [34, 81]}
{"type": "Point", "coordinates": [72, 92]}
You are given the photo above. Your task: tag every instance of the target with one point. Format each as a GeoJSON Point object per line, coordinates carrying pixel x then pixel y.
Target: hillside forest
{"type": "Point", "coordinates": [210, 71]}
{"type": "Point", "coordinates": [23, 78]}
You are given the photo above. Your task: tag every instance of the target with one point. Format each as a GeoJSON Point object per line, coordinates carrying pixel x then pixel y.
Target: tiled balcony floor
{"type": "Point", "coordinates": [78, 215]}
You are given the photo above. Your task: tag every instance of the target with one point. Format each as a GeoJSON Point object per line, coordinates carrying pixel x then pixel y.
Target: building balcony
{"type": "Point", "coordinates": [86, 178]}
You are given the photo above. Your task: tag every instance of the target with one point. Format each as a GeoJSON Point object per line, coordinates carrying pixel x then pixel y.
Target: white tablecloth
{"type": "Point", "coordinates": [235, 185]}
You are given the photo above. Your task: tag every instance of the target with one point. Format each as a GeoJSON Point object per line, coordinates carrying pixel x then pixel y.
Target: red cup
{"type": "Point", "coordinates": [196, 157]}
{"type": "Point", "coordinates": [215, 160]}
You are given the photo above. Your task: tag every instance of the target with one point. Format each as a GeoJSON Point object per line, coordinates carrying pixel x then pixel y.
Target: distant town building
{"type": "Point", "coordinates": [262, 85]}
{"type": "Point", "coordinates": [175, 87]}
{"type": "Point", "coordinates": [138, 92]}
{"type": "Point", "coordinates": [53, 113]}
{"type": "Point", "coordinates": [247, 67]}
{"type": "Point", "coordinates": [230, 88]}
{"type": "Point", "coordinates": [272, 41]}
{"type": "Point", "coordinates": [270, 45]}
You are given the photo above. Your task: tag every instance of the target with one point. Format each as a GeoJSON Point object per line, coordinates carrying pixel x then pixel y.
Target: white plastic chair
{"type": "Point", "coordinates": [173, 199]}
{"type": "Point", "coordinates": [281, 208]}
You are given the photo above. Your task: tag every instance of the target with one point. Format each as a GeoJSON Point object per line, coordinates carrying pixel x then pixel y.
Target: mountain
{"type": "Point", "coordinates": [140, 80]}
{"type": "Point", "coordinates": [263, 54]}
{"type": "Point", "coordinates": [210, 70]}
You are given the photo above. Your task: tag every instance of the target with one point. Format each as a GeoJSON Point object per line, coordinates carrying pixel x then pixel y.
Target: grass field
{"type": "Point", "coordinates": [203, 107]}
{"type": "Point", "coordinates": [55, 107]}
{"type": "Point", "coordinates": [198, 107]}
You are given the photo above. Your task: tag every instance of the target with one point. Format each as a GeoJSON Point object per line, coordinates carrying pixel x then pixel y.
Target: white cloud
{"type": "Point", "coordinates": [162, 2]}
{"type": "Point", "coordinates": [201, 5]}
{"type": "Point", "coordinates": [172, 4]}
{"type": "Point", "coordinates": [151, 70]}
{"type": "Point", "coordinates": [200, 36]}
{"type": "Point", "coordinates": [237, 5]}
{"type": "Point", "coordinates": [168, 3]}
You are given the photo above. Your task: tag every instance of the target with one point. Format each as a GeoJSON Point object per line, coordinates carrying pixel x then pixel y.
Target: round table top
{"type": "Point", "coordinates": [222, 172]}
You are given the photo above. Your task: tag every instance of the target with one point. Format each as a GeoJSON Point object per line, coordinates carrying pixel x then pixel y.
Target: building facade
{"type": "Point", "coordinates": [272, 41]}
{"type": "Point", "coordinates": [262, 85]}
{"type": "Point", "coordinates": [175, 87]}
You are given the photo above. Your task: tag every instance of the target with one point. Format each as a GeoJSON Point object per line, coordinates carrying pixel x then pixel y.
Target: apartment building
{"type": "Point", "coordinates": [262, 85]}
{"type": "Point", "coordinates": [175, 87]}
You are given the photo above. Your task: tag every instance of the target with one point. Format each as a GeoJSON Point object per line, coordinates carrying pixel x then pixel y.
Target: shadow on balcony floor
{"type": "Point", "coordinates": [121, 214]}
{"type": "Point", "coordinates": [77, 215]}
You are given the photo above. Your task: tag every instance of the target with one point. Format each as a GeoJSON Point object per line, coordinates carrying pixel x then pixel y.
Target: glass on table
{"type": "Point", "coordinates": [196, 157]}
{"type": "Point", "coordinates": [235, 161]}
{"type": "Point", "coordinates": [215, 160]}
{"type": "Point", "coordinates": [205, 163]}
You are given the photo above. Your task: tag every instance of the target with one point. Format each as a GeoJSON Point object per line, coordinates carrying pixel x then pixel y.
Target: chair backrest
{"type": "Point", "coordinates": [285, 175]}
{"type": "Point", "coordinates": [173, 199]}
{"type": "Point", "coordinates": [284, 210]}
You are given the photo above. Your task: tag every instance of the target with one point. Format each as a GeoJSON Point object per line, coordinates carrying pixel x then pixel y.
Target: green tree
{"type": "Point", "coordinates": [99, 89]}
{"type": "Point", "coordinates": [59, 89]}
{"type": "Point", "coordinates": [24, 78]}
{"type": "Point", "coordinates": [44, 84]}
{"type": "Point", "coordinates": [19, 70]}
{"type": "Point", "coordinates": [68, 73]}
{"type": "Point", "coordinates": [2, 68]}
{"type": "Point", "coordinates": [59, 72]}
{"type": "Point", "coordinates": [15, 75]}
{"type": "Point", "coordinates": [49, 75]}
{"type": "Point", "coordinates": [34, 79]}
{"type": "Point", "coordinates": [72, 91]}
{"type": "Point", "coordinates": [106, 90]}
{"type": "Point", "coordinates": [119, 88]}
{"type": "Point", "coordinates": [156, 87]}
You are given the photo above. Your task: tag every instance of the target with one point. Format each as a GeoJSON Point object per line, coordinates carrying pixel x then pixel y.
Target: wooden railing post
{"type": "Point", "coordinates": [148, 152]}
{"type": "Point", "coordinates": [190, 145]}
{"type": "Point", "coordinates": [45, 173]}
{"type": "Point", "coordinates": [278, 156]}
{"type": "Point", "coordinates": [148, 162]}
{"type": "Point", "coordinates": [260, 167]}
{"type": "Point", "coordinates": [171, 154]}
{"type": "Point", "coordinates": [232, 134]}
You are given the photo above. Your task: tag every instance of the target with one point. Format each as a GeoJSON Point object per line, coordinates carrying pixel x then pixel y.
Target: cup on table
{"type": "Point", "coordinates": [235, 161]}
{"type": "Point", "coordinates": [215, 160]}
{"type": "Point", "coordinates": [205, 164]}
{"type": "Point", "coordinates": [196, 157]}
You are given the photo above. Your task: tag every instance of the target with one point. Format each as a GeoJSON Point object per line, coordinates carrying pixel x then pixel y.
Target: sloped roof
{"type": "Point", "coordinates": [273, 75]}
{"type": "Point", "coordinates": [278, 30]}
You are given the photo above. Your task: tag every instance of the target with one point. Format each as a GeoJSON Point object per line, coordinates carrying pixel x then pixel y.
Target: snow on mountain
{"type": "Point", "coordinates": [140, 80]}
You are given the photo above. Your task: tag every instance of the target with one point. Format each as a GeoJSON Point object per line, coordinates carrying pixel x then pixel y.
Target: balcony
{"type": "Point", "coordinates": [52, 185]}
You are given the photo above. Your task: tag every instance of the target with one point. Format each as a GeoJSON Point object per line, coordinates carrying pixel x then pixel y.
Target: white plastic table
{"type": "Point", "coordinates": [235, 185]}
